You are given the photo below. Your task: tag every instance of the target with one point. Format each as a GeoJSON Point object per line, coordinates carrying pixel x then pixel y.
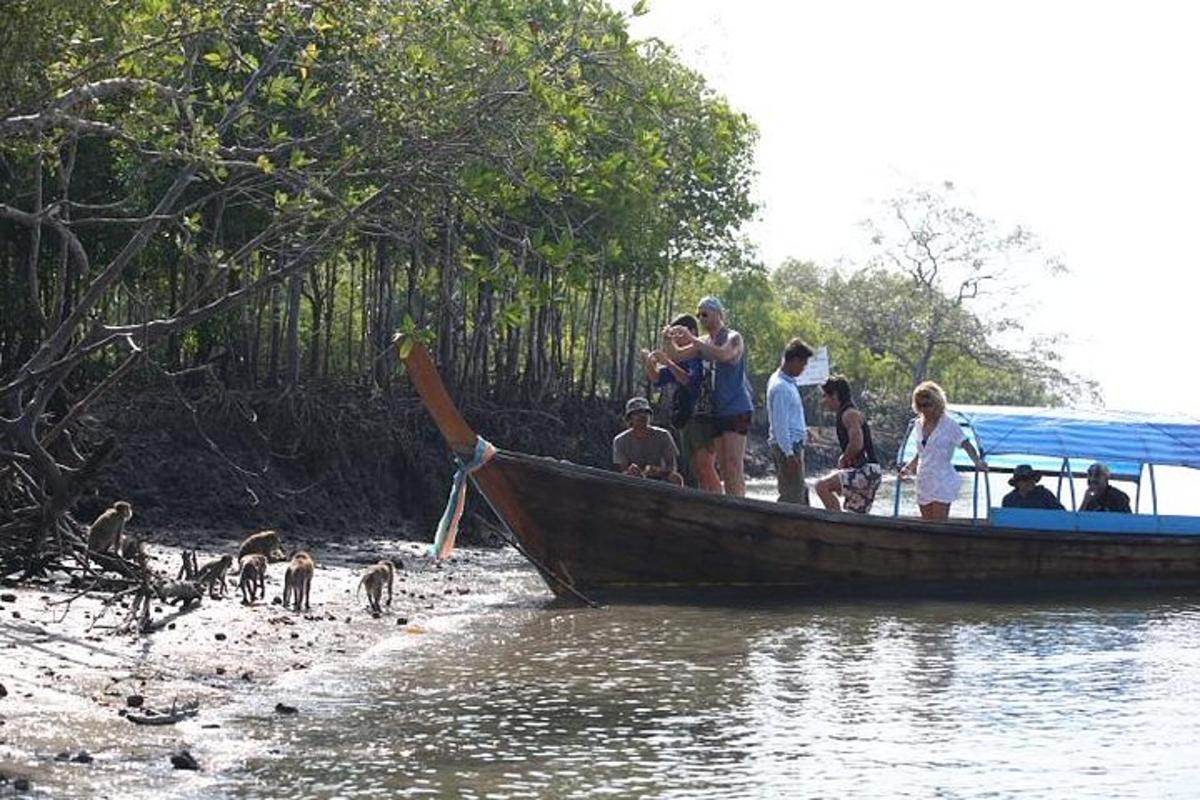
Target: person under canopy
{"type": "Point", "coordinates": [1027, 492]}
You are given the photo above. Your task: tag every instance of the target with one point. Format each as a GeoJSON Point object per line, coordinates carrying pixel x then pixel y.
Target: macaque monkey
{"type": "Point", "coordinates": [253, 578]}
{"type": "Point", "coordinates": [134, 549]}
{"type": "Point", "coordinates": [105, 533]}
{"type": "Point", "coordinates": [212, 573]}
{"type": "Point", "coordinates": [297, 581]}
{"type": "Point", "coordinates": [265, 543]}
{"type": "Point", "coordinates": [374, 579]}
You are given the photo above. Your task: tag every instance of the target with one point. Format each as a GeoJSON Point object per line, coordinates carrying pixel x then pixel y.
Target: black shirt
{"type": "Point", "coordinates": [1111, 499]}
{"type": "Point", "coordinates": [1040, 497]}
{"type": "Point", "coordinates": [867, 456]}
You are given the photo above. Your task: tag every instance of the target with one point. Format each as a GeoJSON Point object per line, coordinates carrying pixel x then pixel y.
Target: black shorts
{"type": "Point", "coordinates": [738, 423]}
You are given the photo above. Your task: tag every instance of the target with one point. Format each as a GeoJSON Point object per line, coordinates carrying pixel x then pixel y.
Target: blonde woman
{"type": "Point", "coordinates": [940, 436]}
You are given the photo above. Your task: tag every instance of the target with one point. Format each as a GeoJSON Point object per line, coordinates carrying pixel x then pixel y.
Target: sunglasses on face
{"type": "Point", "coordinates": [702, 314]}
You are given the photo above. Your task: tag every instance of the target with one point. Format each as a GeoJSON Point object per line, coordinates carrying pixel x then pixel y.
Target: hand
{"type": "Point", "coordinates": [981, 465]}
{"type": "Point", "coordinates": [658, 356]}
{"type": "Point", "coordinates": [791, 466]}
{"type": "Point", "coordinates": [633, 471]}
{"type": "Point", "coordinates": [842, 463]}
{"type": "Point", "coordinates": [683, 336]}
{"type": "Point", "coordinates": [652, 471]}
{"type": "Point", "coordinates": [905, 473]}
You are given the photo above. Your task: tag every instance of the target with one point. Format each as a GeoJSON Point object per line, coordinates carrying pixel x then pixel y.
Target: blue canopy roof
{"type": "Point", "coordinates": [1124, 440]}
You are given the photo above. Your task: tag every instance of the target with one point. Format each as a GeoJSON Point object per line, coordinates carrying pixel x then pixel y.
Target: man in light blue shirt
{"type": "Point", "coordinates": [785, 412]}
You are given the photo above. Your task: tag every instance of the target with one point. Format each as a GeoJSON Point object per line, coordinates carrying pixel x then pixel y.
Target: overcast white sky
{"type": "Point", "coordinates": [1080, 121]}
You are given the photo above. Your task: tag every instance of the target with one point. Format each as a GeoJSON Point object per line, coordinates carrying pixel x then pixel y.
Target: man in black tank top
{"type": "Point", "coordinates": [858, 475]}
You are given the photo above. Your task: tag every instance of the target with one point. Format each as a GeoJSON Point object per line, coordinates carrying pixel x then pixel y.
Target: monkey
{"type": "Point", "coordinates": [133, 548]}
{"type": "Point", "coordinates": [253, 579]}
{"type": "Point", "coordinates": [374, 579]}
{"type": "Point", "coordinates": [297, 581]}
{"type": "Point", "coordinates": [105, 533]}
{"type": "Point", "coordinates": [212, 574]}
{"type": "Point", "coordinates": [265, 543]}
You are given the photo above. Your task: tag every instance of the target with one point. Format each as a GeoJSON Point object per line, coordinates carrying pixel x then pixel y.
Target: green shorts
{"type": "Point", "coordinates": [696, 434]}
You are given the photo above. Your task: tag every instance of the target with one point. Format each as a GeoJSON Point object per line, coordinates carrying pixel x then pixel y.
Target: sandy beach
{"type": "Point", "coordinates": [70, 677]}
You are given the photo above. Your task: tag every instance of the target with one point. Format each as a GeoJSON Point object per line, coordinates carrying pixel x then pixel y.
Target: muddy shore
{"type": "Point", "coordinates": [71, 678]}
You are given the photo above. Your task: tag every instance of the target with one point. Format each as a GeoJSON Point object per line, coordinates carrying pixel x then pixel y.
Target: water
{"type": "Point", "coordinates": [862, 699]}
{"type": "Point", "coordinates": [1071, 697]}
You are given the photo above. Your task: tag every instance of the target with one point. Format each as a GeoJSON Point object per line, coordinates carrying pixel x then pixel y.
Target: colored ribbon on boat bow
{"type": "Point", "coordinates": [447, 529]}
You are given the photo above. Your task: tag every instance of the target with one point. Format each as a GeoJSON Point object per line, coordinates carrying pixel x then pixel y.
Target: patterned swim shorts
{"type": "Point", "coordinates": [859, 486]}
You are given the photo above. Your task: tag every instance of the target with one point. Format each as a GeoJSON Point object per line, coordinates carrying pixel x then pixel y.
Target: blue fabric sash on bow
{"type": "Point", "coordinates": [447, 529]}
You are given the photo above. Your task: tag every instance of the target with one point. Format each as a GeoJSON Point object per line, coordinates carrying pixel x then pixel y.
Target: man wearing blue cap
{"type": "Point", "coordinates": [732, 401]}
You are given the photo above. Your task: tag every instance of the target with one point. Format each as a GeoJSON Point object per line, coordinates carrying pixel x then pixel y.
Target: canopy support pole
{"type": "Point", "coordinates": [899, 466]}
{"type": "Point", "coordinates": [987, 489]}
{"type": "Point", "coordinates": [1061, 470]}
{"type": "Point", "coordinates": [975, 500]}
{"type": "Point", "coordinates": [1067, 466]}
{"type": "Point", "coordinates": [1153, 491]}
{"type": "Point", "coordinates": [1137, 500]}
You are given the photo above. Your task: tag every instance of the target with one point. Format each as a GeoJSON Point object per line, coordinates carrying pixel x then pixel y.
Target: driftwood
{"type": "Point", "coordinates": [176, 714]}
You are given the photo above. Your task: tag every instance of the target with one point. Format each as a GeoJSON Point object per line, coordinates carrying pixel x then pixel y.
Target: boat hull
{"type": "Point", "coordinates": [606, 534]}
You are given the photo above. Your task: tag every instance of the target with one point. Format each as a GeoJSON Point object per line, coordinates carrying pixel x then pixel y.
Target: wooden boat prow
{"type": "Point", "coordinates": [603, 534]}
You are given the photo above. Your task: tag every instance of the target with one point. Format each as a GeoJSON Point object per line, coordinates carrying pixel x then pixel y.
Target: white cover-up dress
{"type": "Point", "coordinates": [937, 482]}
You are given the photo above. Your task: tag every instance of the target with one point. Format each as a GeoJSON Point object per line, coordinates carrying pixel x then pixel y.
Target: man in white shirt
{"type": "Point", "coordinates": [785, 411]}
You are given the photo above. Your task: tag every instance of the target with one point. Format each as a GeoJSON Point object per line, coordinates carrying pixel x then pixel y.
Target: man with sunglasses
{"type": "Point", "coordinates": [731, 398]}
{"type": "Point", "coordinates": [1100, 495]}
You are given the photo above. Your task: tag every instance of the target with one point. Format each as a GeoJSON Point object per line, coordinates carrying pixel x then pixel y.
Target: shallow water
{"type": "Point", "coordinates": [1078, 699]}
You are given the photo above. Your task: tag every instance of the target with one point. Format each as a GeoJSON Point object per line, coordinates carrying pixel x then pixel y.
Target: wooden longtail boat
{"type": "Point", "coordinates": [601, 534]}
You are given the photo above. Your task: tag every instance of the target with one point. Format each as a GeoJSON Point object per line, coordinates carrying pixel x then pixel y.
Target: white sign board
{"type": "Point", "coordinates": [817, 371]}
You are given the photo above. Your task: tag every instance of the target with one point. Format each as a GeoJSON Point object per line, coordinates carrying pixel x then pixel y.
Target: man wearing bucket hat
{"type": "Point", "coordinates": [1027, 492]}
{"type": "Point", "coordinates": [732, 401]}
{"type": "Point", "coordinates": [645, 451]}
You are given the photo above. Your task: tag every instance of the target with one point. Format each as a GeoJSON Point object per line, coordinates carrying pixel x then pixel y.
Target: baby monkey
{"type": "Point", "coordinates": [253, 578]}
{"type": "Point", "coordinates": [212, 574]}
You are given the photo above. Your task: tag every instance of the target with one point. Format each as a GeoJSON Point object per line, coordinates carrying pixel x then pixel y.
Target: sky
{"type": "Point", "coordinates": [1079, 121]}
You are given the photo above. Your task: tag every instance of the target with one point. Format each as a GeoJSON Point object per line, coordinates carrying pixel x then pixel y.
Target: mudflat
{"type": "Point", "coordinates": [72, 676]}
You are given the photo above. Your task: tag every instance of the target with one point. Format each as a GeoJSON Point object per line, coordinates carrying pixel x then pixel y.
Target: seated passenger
{"type": "Point", "coordinates": [1100, 496]}
{"type": "Point", "coordinates": [1028, 493]}
{"type": "Point", "coordinates": [645, 451]}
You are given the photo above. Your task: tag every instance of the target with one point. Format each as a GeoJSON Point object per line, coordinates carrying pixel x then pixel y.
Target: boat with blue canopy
{"type": "Point", "coordinates": [595, 533]}
{"type": "Point", "coordinates": [1063, 442]}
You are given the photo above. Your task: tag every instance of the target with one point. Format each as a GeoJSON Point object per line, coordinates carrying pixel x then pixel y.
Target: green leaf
{"type": "Point", "coordinates": [641, 7]}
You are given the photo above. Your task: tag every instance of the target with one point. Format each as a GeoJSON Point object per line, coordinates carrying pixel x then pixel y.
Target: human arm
{"type": "Point", "coordinates": [667, 461]}
{"type": "Point", "coordinates": [1051, 502]}
{"type": "Point", "coordinates": [621, 461]}
{"type": "Point", "coordinates": [910, 469]}
{"type": "Point", "coordinates": [674, 348]}
{"type": "Point", "coordinates": [980, 464]}
{"type": "Point", "coordinates": [650, 363]}
{"type": "Point", "coordinates": [853, 420]}
{"type": "Point", "coordinates": [726, 353]}
{"type": "Point", "coordinates": [680, 374]}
